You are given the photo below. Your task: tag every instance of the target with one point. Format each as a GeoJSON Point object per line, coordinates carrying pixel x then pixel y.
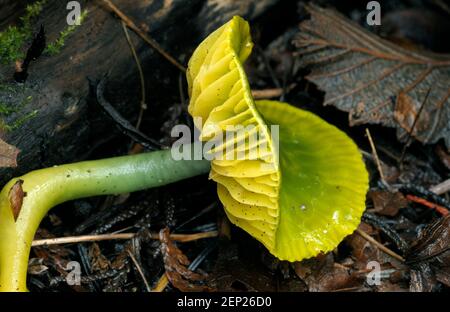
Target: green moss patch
{"type": "Point", "coordinates": [13, 38]}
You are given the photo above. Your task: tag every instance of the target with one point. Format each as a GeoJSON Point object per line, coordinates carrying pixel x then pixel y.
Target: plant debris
{"type": "Point", "coordinates": [374, 80]}
{"type": "Point", "coordinates": [176, 263]}
{"type": "Point", "coordinates": [35, 51]}
{"type": "Point", "coordinates": [433, 243]}
{"type": "Point", "coordinates": [404, 233]}
{"type": "Point", "coordinates": [16, 195]}
{"type": "Point", "coordinates": [8, 154]}
{"type": "Point", "coordinates": [321, 274]}
{"type": "Point", "coordinates": [122, 123]}
{"type": "Point", "coordinates": [387, 203]}
{"type": "Point", "coordinates": [429, 256]}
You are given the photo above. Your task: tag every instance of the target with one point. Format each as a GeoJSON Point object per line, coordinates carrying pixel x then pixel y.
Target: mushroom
{"type": "Point", "coordinates": [299, 199]}
{"type": "Point", "coordinates": [298, 186]}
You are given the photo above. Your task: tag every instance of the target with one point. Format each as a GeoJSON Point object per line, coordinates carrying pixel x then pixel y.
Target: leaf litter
{"type": "Point", "coordinates": [240, 264]}
{"type": "Point", "coordinates": [374, 80]}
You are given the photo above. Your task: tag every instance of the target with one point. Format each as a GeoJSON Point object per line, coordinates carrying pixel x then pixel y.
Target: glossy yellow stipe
{"type": "Point", "coordinates": [46, 188]}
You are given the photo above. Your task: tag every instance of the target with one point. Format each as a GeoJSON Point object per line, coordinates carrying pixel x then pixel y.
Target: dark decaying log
{"type": "Point", "coordinates": [67, 123]}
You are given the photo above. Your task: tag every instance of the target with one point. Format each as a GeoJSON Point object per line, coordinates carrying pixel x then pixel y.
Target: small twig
{"type": "Point", "coordinates": [379, 245]}
{"type": "Point", "coordinates": [271, 92]}
{"type": "Point", "coordinates": [346, 289]}
{"type": "Point", "coordinates": [267, 93]}
{"type": "Point", "coordinates": [155, 45]}
{"type": "Point", "coordinates": [442, 5]}
{"type": "Point", "coordinates": [375, 156]}
{"type": "Point", "coordinates": [442, 210]}
{"type": "Point", "coordinates": [80, 239]}
{"type": "Point", "coordinates": [388, 153]}
{"type": "Point", "coordinates": [408, 140]}
{"type": "Point", "coordinates": [381, 224]}
{"type": "Point", "coordinates": [143, 105]}
{"type": "Point", "coordinates": [124, 125]}
{"type": "Point", "coordinates": [202, 256]}
{"type": "Point", "coordinates": [423, 193]}
{"type": "Point", "coordinates": [139, 269]}
{"type": "Point", "coordinates": [86, 279]}
{"type": "Point", "coordinates": [441, 188]}
{"type": "Point", "coordinates": [197, 215]}
{"type": "Point", "coordinates": [366, 154]}
{"type": "Point", "coordinates": [183, 238]}
{"type": "Point", "coordinates": [161, 284]}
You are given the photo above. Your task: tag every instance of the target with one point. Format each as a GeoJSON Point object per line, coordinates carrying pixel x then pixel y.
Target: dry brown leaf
{"type": "Point", "coordinates": [99, 263]}
{"type": "Point", "coordinates": [443, 276]}
{"type": "Point", "coordinates": [321, 274]}
{"type": "Point", "coordinates": [422, 279]}
{"type": "Point", "coordinates": [16, 195]}
{"type": "Point", "coordinates": [176, 264]}
{"type": "Point", "coordinates": [362, 250]}
{"type": "Point", "coordinates": [429, 256]}
{"type": "Point", "coordinates": [375, 80]}
{"type": "Point", "coordinates": [36, 266]}
{"type": "Point", "coordinates": [387, 203]}
{"type": "Point", "coordinates": [433, 244]}
{"type": "Point", "coordinates": [8, 154]}
{"type": "Point", "coordinates": [236, 271]}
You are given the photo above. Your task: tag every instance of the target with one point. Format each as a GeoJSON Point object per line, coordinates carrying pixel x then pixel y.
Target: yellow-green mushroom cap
{"type": "Point", "coordinates": [299, 192]}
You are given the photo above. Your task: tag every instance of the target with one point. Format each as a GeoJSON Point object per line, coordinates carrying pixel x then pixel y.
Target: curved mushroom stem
{"type": "Point", "coordinates": [24, 201]}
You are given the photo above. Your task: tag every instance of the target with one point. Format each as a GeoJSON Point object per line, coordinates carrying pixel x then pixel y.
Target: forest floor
{"type": "Point", "coordinates": [404, 233]}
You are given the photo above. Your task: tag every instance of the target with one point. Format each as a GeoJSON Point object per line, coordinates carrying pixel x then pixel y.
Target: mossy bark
{"type": "Point", "coordinates": [68, 123]}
